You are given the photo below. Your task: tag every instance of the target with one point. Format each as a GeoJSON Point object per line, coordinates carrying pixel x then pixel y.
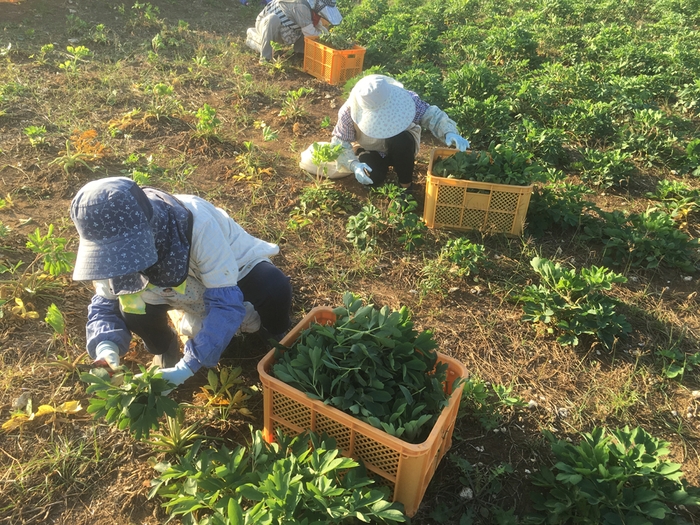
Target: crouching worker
{"type": "Point", "coordinates": [148, 252]}
{"type": "Point", "coordinates": [288, 21]}
{"type": "Point", "coordinates": [383, 122]}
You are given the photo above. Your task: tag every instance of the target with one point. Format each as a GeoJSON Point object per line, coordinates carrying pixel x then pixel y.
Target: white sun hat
{"type": "Point", "coordinates": [381, 107]}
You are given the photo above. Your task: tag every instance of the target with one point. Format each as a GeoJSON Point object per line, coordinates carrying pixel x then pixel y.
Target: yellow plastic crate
{"type": "Point", "coordinates": [469, 205]}
{"type": "Point", "coordinates": [405, 468]}
{"type": "Point", "coordinates": [332, 65]}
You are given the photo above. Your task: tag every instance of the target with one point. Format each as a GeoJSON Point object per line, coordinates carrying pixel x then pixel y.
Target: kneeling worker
{"type": "Point", "coordinates": [288, 22]}
{"type": "Point", "coordinates": [148, 252]}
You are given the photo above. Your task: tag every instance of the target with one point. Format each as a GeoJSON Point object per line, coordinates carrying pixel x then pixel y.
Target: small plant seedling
{"type": "Point", "coordinates": [207, 123]}
{"type": "Point", "coordinates": [76, 54]}
{"type": "Point", "coordinates": [137, 403]}
{"type": "Point", "coordinates": [35, 135]}
{"type": "Point", "coordinates": [52, 250]}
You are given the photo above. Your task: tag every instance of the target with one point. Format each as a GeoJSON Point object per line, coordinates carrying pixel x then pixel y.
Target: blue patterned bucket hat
{"type": "Point", "coordinates": [112, 216]}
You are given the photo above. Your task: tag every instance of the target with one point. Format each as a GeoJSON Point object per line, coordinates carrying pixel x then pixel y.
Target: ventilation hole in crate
{"type": "Point", "coordinates": [336, 430]}
{"type": "Point", "coordinates": [289, 410]}
{"type": "Point", "coordinates": [499, 222]}
{"type": "Point", "coordinates": [473, 219]}
{"type": "Point", "coordinates": [447, 215]}
{"type": "Point", "coordinates": [377, 454]}
{"type": "Point", "coordinates": [450, 195]}
{"type": "Point", "coordinates": [504, 201]}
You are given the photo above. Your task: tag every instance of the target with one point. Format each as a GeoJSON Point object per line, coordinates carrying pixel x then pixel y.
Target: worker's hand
{"type": "Point", "coordinates": [107, 356]}
{"type": "Point", "coordinates": [452, 139]}
{"type": "Point", "coordinates": [361, 169]}
{"type": "Point", "coordinates": [177, 374]}
{"type": "Point", "coordinates": [323, 30]}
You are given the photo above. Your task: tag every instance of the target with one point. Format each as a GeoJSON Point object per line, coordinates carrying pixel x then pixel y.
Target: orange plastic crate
{"type": "Point", "coordinates": [332, 65]}
{"type": "Point", "coordinates": [405, 468]}
{"type": "Point", "coordinates": [469, 205]}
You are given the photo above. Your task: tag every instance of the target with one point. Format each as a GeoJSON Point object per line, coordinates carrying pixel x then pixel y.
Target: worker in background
{"type": "Point", "coordinates": [380, 126]}
{"type": "Point", "coordinates": [288, 22]}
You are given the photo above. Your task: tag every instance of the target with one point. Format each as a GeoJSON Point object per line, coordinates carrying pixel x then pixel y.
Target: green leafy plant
{"type": "Point", "coordinates": [574, 302]}
{"type": "Point", "coordinates": [642, 240]}
{"type": "Point", "coordinates": [163, 102]}
{"type": "Point", "coordinates": [207, 123]}
{"type": "Point", "coordinates": [130, 401]}
{"type": "Point", "coordinates": [293, 105]}
{"type": "Point", "coordinates": [52, 250]}
{"type": "Point", "coordinates": [558, 205]}
{"type": "Point", "coordinates": [500, 164]}
{"type": "Point", "coordinates": [75, 54]}
{"type": "Point", "coordinates": [325, 122]}
{"type": "Point", "coordinates": [36, 135]}
{"type": "Point", "coordinates": [606, 169]}
{"type": "Point", "coordinates": [176, 438]}
{"type": "Point", "coordinates": [322, 154]}
{"type": "Point", "coordinates": [676, 199]}
{"type": "Point", "coordinates": [336, 40]}
{"type": "Point", "coordinates": [284, 482]}
{"type": "Point", "coordinates": [372, 364]}
{"type": "Point", "coordinates": [45, 50]}
{"type": "Point", "coordinates": [491, 404]}
{"type": "Point", "coordinates": [611, 477]}
{"type": "Point", "coordinates": [459, 258]}
{"type": "Point", "coordinates": [224, 392]}
{"type": "Point", "coordinates": [317, 200]}
{"type": "Point", "coordinates": [361, 228]}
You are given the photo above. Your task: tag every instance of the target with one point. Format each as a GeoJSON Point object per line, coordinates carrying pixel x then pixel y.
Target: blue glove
{"type": "Point", "coordinates": [452, 139]}
{"type": "Point", "coordinates": [361, 169]}
{"type": "Point", "coordinates": [177, 374]}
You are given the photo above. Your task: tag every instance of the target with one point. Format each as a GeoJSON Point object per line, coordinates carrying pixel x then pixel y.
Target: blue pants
{"type": "Point", "coordinates": [265, 287]}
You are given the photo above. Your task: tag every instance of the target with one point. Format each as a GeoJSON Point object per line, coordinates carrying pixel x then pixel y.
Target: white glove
{"type": "Point", "coordinates": [108, 352]}
{"type": "Point", "coordinates": [452, 139]}
{"type": "Point", "coordinates": [361, 169]}
{"type": "Point", "coordinates": [177, 374]}
{"type": "Point", "coordinates": [251, 321]}
{"type": "Point", "coordinates": [322, 30]}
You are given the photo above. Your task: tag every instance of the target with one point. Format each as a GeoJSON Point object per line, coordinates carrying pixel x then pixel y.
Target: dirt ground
{"type": "Point", "coordinates": [572, 389]}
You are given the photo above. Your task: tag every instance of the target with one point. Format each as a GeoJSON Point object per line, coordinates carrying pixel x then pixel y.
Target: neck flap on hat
{"type": "Point", "coordinates": [172, 231]}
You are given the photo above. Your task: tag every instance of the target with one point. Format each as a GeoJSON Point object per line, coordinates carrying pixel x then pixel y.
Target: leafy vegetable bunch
{"type": "Point", "coordinates": [265, 484]}
{"type": "Point", "coordinates": [611, 478]}
{"type": "Point", "coordinates": [574, 302]}
{"type": "Point", "coordinates": [371, 364]}
{"type": "Point", "coordinates": [500, 164]}
{"type": "Point", "coordinates": [336, 41]}
{"type": "Point", "coordinates": [643, 240]}
{"type": "Point", "coordinates": [137, 402]}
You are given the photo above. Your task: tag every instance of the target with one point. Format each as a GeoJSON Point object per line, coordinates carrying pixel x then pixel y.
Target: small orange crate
{"type": "Point", "coordinates": [405, 468]}
{"type": "Point", "coordinates": [469, 205]}
{"type": "Point", "coordinates": [332, 65]}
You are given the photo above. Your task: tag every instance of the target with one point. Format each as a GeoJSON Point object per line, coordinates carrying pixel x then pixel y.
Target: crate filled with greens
{"type": "Point", "coordinates": [486, 190]}
{"type": "Point", "coordinates": [331, 58]}
{"type": "Point", "coordinates": [365, 377]}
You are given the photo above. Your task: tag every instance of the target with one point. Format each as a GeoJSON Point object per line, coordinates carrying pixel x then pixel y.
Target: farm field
{"type": "Point", "coordinates": [588, 320]}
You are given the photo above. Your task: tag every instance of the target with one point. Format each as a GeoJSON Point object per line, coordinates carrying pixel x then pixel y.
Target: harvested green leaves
{"type": "Point", "coordinates": [371, 364]}
{"type": "Point", "coordinates": [137, 402]}
{"type": "Point", "coordinates": [501, 164]}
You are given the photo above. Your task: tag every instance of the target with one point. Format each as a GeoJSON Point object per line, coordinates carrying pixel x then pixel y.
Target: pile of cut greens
{"type": "Point", "coordinates": [500, 164]}
{"type": "Point", "coordinates": [371, 364]}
